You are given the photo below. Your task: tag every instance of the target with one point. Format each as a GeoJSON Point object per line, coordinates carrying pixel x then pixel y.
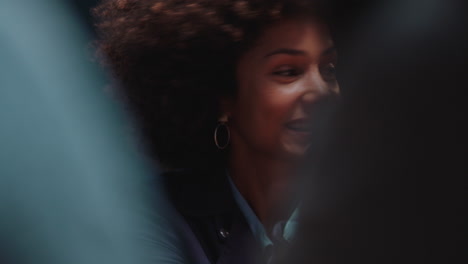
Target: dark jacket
{"type": "Point", "coordinates": [213, 226]}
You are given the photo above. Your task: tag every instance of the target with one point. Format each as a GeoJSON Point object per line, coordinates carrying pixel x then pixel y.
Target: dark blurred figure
{"type": "Point", "coordinates": [74, 187]}
{"type": "Point", "coordinates": [386, 176]}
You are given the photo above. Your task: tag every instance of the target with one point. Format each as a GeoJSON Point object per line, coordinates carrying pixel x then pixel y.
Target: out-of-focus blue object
{"type": "Point", "coordinates": [73, 187]}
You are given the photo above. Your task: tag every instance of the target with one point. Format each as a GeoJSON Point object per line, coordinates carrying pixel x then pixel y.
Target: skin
{"type": "Point", "coordinates": [280, 79]}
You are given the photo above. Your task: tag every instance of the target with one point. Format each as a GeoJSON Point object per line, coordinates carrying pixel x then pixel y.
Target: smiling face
{"type": "Point", "coordinates": [280, 78]}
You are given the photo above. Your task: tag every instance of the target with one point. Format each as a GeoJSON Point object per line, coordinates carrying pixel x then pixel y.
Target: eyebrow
{"type": "Point", "coordinates": [295, 52]}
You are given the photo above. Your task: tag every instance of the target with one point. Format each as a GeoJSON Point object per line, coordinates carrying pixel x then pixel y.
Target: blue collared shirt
{"type": "Point", "coordinates": [257, 228]}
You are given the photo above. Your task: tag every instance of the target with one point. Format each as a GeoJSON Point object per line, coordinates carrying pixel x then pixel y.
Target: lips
{"type": "Point", "coordinates": [300, 125]}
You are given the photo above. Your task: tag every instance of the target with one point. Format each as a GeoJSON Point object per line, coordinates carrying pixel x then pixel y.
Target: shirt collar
{"type": "Point", "coordinates": [256, 226]}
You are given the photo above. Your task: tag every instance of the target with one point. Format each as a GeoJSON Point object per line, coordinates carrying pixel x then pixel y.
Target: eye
{"type": "Point", "coordinates": [287, 71]}
{"type": "Point", "coordinates": [329, 72]}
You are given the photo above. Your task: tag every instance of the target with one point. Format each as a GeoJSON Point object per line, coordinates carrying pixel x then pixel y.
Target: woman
{"type": "Point", "coordinates": [224, 91]}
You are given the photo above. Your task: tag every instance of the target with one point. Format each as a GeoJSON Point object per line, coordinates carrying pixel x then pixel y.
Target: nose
{"type": "Point", "coordinates": [315, 87]}
{"type": "Point", "coordinates": [319, 96]}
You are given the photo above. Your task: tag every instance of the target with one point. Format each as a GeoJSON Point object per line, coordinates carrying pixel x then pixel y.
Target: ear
{"type": "Point", "coordinates": [226, 107]}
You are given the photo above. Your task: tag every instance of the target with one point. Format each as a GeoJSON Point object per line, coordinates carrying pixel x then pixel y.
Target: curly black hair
{"type": "Point", "coordinates": [176, 58]}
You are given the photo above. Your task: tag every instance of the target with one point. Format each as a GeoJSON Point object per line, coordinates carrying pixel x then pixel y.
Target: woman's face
{"type": "Point", "coordinates": [289, 68]}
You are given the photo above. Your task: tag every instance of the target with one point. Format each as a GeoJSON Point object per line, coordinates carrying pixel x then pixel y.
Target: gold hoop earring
{"type": "Point", "coordinates": [228, 138]}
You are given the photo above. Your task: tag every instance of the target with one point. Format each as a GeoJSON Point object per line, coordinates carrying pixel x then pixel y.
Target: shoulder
{"type": "Point", "coordinates": [204, 200]}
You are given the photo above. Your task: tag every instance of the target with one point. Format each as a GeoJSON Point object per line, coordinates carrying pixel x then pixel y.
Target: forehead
{"type": "Point", "coordinates": [307, 35]}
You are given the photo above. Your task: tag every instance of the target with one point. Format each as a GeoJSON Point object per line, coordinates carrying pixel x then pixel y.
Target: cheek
{"type": "Point", "coordinates": [280, 100]}
{"type": "Point", "coordinates": [276, 102]}
{"type": "Point", "coordinates": [263, 108]}
{"type": "Point", "coordinates": [264, 101]}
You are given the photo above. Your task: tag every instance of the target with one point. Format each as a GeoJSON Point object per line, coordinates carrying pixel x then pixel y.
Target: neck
{"type": "Point", "coordinates": [265, 182]}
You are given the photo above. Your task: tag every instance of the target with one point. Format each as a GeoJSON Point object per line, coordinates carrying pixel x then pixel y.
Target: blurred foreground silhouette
{"type": "Point", "coordinates": [386, 175]}
{"type": "Point", "coordinates": [74, 188]}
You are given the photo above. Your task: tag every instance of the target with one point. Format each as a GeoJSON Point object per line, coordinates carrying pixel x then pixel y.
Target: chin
{"type": "Point", "coordinates": [295, 151]}
{"type": "Point", "coordinates": [294, 146]}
